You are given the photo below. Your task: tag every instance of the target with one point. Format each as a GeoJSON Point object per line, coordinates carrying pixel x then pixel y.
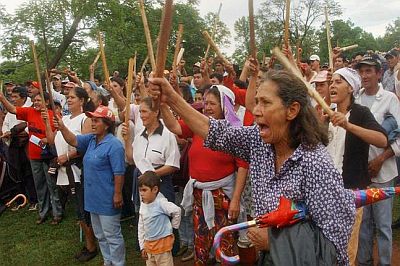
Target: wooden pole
{"type": "Point", "coordinates": [253, 48]}
{"type": "Point", "coordinates": [216, 19]}
{"type": "Point", "coordinates": [344, 49]}
{"type": "Point", "coordinates": [96, 58]}
{"type": "Point", "coordinates": [104, 61]}
{"type": "Point", "coordinates": [212, 44]}
{"type": "Point", "coordinates": [165, 31]}
{"type": "Point", "coordinates": [291, 68]}
{"type": "Point", "coordinates": [287, 20]}
{"type": "Point", "coordinates": [48, 86]}
{"type": "Point", "coordinates": [328, 38]}
{"type": "Point", "coordinates": [150, 51]}
{"type": "Point", "coordinates": [177, 49]}
{"type": "Point", "coordinates": [129, 93]}
{"type": "Point", "coordinates": [37, 67]}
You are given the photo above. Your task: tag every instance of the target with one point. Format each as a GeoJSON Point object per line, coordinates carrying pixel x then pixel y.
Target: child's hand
{"type": "Point", "coordinates": [144, 254]}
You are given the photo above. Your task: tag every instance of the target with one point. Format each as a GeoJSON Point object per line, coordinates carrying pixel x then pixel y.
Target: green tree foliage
{"type": "Point", "coordinates": [345, 33]}
{"type": "Point", "coordinates": [269, 26]}
{"type": "Point", "coordinates": [392, 36]}
{"type": "Point", "coordinates": [65, 33]}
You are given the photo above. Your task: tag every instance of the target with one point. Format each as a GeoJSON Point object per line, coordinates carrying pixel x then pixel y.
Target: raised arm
{"type": "Point", "coordinates": [252, 87]}
{"type": "Point", "coordinates": [370, 136]}
{"type": "Point", "coordinates": [197, 122]}
{"type": "Point", "coordinates": [50, 134]}
{"type": "Point", "coordinates": [9, 107]}
{"type": "Point", "coordinates": [169, 120]}
{"type": "Point", "coordinates": [69, 137]}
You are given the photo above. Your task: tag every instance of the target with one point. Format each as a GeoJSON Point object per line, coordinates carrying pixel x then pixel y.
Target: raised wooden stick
{"type": "Point", "coordinates": [287, 20]}
{"type": "Point", "coordinates": [129, 93]}
{"type": "Point", "coordinates": [165, 31]}
{"type": "Point", "coordinates": [328, 38]}
{"type": "Point", "coordinates": [253, 48]}
{"type": "Point", "coordinates": [150, 51]}
{"type": "Point", "coordinates": [216, 19]}
{"type": "Point", "coordinates": [346, 48]}
{"type": "Point", "coordinates": [177, 49]}
{"type": "Point", "coordinates": [104, 61]}
{"type": "Point", "coordinates": [291, 68]}
{"type": "Point", "coordinates": [96, 58]}
{"type": "Point", "coordinates": [214, 47]}
{"type": "Point", "coordinates": [37, 67]}
{"type": "Point", "coordinates": [180, 56]}
{"type": "Point", "coordinates": [48, 86]}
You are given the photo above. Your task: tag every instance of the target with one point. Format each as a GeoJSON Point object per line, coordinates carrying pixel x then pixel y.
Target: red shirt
{"type": "Point", "coordinates": [36, 127]}
{"type": "Point", "coordinates": [206, 165]}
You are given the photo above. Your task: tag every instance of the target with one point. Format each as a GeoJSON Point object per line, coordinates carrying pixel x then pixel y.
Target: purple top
{"type": "Point", "coordinates": [307, 175]}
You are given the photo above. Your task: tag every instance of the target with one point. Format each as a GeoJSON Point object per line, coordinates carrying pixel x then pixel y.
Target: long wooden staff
{"type": "Point", "coordinates": [129, 93]}
{"type": "Point", "coordinates": [328, 38]}
{"type": "Point", "coordinates": [346, 48]}
{"type": "Point", "coordinates": [96, 58]}
{"type": "Point", "coordinates": [253, 48]}
{"type": "Point", "coordinates": [35, 59]}
{"type": "Point", "coordinates": [291, 68]}
{"type": "Point", "coordinates": [214, 47]}
{"type": "Point", "coordinates": [177, 49]}
{"type": "Point", "coordinates": [48, 86]}
{"type": "Point", "coordinates": [104, 61]}
{"type": "Point", "coordinates": [165, 31]}
{"type": "Point", "coordinates": [216, 19]}
{"type": "Point", "coordinates": [150, 51]}
{"type": "Point", "coordinates": [287, 19]}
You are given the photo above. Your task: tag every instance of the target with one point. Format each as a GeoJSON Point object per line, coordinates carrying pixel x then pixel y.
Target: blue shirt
{"type": "Point", "coordinates": [101, 163]}
{"type": "Point", "coordinates": [308, 175]}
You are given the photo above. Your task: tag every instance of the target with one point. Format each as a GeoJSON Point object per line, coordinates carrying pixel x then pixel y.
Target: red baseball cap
{"type": "Point", "coordinates": [102, 112]}
{"type": "Point", "coordinates": [35, 84]}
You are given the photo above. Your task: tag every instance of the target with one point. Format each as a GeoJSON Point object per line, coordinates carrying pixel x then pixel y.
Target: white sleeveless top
{"type": "Point", "coordinates": [75, 126]}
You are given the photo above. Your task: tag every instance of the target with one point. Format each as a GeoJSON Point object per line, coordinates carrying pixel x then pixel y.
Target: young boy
{"type": "Point", "coordinates": [155, 227]}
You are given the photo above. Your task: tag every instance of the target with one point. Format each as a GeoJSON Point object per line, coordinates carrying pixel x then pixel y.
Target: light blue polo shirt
{"type": "Point", "coordinates": [101, 163]}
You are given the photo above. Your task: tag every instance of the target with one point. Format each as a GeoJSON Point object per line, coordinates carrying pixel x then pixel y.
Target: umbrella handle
{"type": "Point", "coordinates": [8, 204]}
{"type": "Point", "coordinates": [229, 260]}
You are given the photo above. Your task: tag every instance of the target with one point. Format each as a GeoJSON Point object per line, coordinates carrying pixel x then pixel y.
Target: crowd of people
{"type": "Point", "coordinates": [210, 148]}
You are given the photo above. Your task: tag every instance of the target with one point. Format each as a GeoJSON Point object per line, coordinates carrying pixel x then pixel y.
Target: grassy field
{"type": "Point", "coordinates": [22, 242]}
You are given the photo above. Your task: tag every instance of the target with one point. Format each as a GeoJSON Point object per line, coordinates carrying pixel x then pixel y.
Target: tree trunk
{"type": "Point", "coordinates": [66, 42]}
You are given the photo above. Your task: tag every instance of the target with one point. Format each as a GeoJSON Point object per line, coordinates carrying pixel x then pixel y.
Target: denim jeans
{"type": "Point", "coordinates": [107, 230]}
{"type": "Point", "coordinates": [380, 215]}
{"type": "Point", "coordinates": [46, 189]}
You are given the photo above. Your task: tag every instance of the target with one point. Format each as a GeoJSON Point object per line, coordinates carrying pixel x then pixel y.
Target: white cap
{"type": "Point", "coordinates": [314, 57]}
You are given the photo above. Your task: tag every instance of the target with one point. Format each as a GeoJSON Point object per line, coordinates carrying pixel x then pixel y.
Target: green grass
{"type": "Point", "coordinates": [22, 242]}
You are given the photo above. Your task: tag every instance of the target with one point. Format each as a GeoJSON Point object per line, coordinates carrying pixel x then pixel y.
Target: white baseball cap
{"type": "Point", "coordinates": [314, 57]}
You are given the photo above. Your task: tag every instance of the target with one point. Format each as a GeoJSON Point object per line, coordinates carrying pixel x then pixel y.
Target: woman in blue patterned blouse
{"type": "Point", "coordinates": [287, 158]}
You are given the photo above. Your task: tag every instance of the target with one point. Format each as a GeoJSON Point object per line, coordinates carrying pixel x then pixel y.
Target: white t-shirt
{"type": "Point", "coordinates": [337, 136]}
{"type": "Point", "coordinates": [75, 126]}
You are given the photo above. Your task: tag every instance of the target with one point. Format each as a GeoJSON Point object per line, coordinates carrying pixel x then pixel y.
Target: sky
{"type": "Point", "coordinates": [371, 15]}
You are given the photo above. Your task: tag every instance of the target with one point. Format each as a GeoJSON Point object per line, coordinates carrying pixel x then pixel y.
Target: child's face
{"type": "Point", "coordinates": [148, 194]}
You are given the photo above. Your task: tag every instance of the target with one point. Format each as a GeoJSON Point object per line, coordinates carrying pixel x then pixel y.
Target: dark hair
{"type": "Point", "coordinates": [218, 76]}
{"type": "Point", "coordinates": [240, 83]}
{"type": "Point", "coordinates": [306, 128]}
{"type": "Point", "coordinates": [196, 71]}
{"type": "Point", "coordinates": [110, 124]}
{"type": "Point", "coordinates": [149, 179]}
{"type": "Point", "coordinates": [218, 60]}
{"type": "Point", "coordinates": [121, 82]}
{"type": "Point", "coordinates": [21, 91]}
{"type": "Point", "coordinates": [82, 94]}
{"type": "Point", "coordinates": [214, 91]}
{"type": "Point", "coordinates": [186, 93]}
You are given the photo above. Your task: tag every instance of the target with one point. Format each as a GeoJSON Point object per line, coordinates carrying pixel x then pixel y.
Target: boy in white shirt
{"type": "Point", "coordinates": [155, 226]}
